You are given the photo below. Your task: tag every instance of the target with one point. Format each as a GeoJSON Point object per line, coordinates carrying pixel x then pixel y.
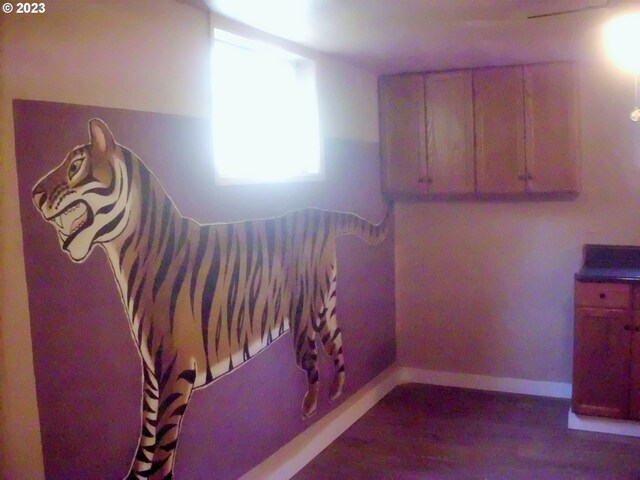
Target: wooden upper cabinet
{"type": "Point", "coordinates": [499, 129]}
{"type": "Point", "coordinates": [449, 130]}
{"type": "Point", "coordinates": [551, 122]}
{"type": "Point", "coordinates": [526, 127]}
{"type": "Point", "coordinates": [402, 133]}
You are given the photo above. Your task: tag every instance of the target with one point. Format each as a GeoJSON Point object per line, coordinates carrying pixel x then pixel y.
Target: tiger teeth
{"type": "Point", "coordinates": [72, 219]}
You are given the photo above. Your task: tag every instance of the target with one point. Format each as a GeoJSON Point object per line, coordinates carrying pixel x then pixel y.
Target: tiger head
{"type": "Point", "coordinates": [85, 197]}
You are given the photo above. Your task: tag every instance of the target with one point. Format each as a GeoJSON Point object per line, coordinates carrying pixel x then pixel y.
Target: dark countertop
{"type": "Point", "coordinates": [608, 275]}
{"type": "Point", "coordinates": [610, 263]}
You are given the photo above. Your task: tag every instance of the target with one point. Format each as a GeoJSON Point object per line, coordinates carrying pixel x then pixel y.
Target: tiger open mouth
{"type": "Point", "coordinates": [71, 221]}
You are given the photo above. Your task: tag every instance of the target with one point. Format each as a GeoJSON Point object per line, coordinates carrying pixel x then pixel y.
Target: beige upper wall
{"type": "Point", "coordinates": [487, 287]}
{"type": "Point", "coordinates": [148, 55]}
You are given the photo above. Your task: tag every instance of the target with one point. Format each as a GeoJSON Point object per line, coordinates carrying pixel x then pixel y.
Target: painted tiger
{"type": "Point", "coordinates": [200, 299]}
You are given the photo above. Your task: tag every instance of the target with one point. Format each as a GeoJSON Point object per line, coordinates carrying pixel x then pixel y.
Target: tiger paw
{"type": "Point", "coordinates": [310, 401]}
{"type": "Point", "coordinates": [336, 386]}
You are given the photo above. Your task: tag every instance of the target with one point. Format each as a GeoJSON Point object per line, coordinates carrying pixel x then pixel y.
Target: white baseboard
{"type": "Point", "coordinates": [603, 425]}
{"type": "Point", "coordinates": [293, 456]}
{"type": "Point", "coordinates": [484, 382]}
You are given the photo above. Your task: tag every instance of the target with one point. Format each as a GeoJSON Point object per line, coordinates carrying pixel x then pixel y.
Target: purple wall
{"type": "Point", "coordinates": [87, 369]}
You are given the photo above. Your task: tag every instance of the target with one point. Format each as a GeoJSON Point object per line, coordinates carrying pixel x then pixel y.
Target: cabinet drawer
{"type": "Point", "coordinates": [603, 295]}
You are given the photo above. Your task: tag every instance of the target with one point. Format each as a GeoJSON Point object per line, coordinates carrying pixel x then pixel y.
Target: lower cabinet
{"type": "Point", "coordinates": [606, 361]}
{"type": "Point", "coordinates": [634, 394]}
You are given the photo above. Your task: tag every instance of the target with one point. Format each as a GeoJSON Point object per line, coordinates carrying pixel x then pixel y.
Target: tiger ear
{"type": "Point", "coordinates": [101, 136]}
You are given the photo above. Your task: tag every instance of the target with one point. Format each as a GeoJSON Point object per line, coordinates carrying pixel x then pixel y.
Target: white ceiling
{"type": "Point", "coordinates": [392, 36]}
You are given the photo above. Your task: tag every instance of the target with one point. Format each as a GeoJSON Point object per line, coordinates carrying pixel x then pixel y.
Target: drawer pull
{"type": "Point", "coordinates": [603, 296]}
{"type": "Point", "coordinates": [627, 327]}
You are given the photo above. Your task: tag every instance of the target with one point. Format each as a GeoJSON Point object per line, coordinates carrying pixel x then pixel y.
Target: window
{"type": "Point", "coordinates": [265, 113]}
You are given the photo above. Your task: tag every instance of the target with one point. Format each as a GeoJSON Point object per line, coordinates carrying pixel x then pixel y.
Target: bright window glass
{"type": "Point", "coordinates": [265, 113]}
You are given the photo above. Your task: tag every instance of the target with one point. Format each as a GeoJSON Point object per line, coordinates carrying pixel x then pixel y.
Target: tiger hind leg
{"type": "Point", "coordinates": [331, 337]}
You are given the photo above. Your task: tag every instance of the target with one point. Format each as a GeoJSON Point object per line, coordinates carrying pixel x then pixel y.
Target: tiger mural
{"type": "Point", "coordinates": [200, 299]}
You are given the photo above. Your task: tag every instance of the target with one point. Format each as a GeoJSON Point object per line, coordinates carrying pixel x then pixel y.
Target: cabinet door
{"type": "Point", "coordinates": [551, 122]}
{"type": "Point", "coordinates": [402, 134]}
{"type": "Point", "coordinates": [634, 394]}
{"type": "Point", "coordinates": [601, 362]}
{"type": "Point", "coordinates": [450, 165]}
{"type": "Point", "coordinates": [499, 127]}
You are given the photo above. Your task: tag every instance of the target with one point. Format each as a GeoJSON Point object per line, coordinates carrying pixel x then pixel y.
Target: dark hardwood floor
{"type": "Point", "coordinates": [429, 432]}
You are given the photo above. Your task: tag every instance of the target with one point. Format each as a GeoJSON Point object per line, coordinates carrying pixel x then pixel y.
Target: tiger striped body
{"type": "Point", "coordinates": [200, 299]}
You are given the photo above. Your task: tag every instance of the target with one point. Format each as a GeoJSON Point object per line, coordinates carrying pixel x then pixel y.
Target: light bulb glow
{"type": "Point", "coordinates": [622, 40]}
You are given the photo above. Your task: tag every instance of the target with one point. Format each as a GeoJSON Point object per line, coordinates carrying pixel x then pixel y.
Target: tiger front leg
{"type": "Point", "coordinates": [147, 442]}
{"type": "Point", "coordinates": [175, 392]}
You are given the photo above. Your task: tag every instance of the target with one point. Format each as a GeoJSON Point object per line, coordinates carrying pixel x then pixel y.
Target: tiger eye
{"type": "Point", "coordinates": [74, 167]}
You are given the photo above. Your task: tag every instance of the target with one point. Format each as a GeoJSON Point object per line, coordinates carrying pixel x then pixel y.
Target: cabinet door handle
{"type": "Point", "coordinates": [627, 327]}
{"type": "Point", "coordinates": [636, 329]}
{"type": "Point", "coordinates": [603, 296]}
{"type": "Point", "coordinates": [422, 180]}
{"type": "Point", "coordinates": [522, 178]}
{"type": "Point", "coordinates": [529, 177]}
